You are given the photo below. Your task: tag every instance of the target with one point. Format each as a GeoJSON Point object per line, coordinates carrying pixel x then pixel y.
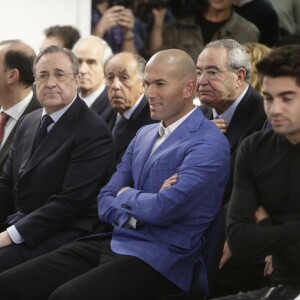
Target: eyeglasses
{"type": "Point", "coordinates": [211, 73]}
{"type": "Point", "coordinates": [59, 76]}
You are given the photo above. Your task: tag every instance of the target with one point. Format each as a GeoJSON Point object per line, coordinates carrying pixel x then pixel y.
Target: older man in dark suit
{"type": "Point", "coordinates": [60, 158]}
{"type": "Point", "coordinates": [129, 110]}
{"type": "Point", "coordinates": [223, 70]}
{"type": "Point", "coordinates": [92, 53]}
{"type": "Point", "coordinates": [16, 96]}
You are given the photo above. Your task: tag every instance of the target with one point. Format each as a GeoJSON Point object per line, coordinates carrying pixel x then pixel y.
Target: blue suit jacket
{"type": "Point", "coordinates": [173, 221]}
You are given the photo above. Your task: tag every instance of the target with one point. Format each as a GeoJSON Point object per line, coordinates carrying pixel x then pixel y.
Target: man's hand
{"type": "Point", "coordinates": [269, 266]}
{"type": "Point", "coordinates": [226, 255]}
{"type": "Point", "coordinates": [110, 19]}
{"type": "Point", "coordinates": [126, 21]}
{"type": "Point", "coordinates": [221, 124]}
{"type": "Point", "coordinates": [168, 182]}
{"type": "Point", "coordinates": [159, 15]}
{"type": "Point", "coordinates": [5, 239]}
{"type": "Point", "coordinates": [260, 214]}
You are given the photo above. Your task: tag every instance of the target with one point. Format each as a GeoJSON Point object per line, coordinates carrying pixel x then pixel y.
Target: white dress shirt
{"type": "Point", "coordinates": [15, 112]}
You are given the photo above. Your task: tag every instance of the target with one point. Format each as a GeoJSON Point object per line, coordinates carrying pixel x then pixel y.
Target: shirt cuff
{"type": "Point", "coordinates": [15, 235]}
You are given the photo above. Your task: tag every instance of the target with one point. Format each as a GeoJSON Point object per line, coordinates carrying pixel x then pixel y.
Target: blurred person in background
{"type": "Point", "coordinates": [16, 96]}
{"type": "Point", "coordinates": [63, 36]}
{"type": "Point", "coordinates": [256, 52]}
{"type": "Point", "coordinates": [263, 15]}
{"type": "Point", "coordinates": [114, 22]}
{"type": "Point", "coordinates": [212, 20]}
{"type": "Point", "coordinates": [92, 53]}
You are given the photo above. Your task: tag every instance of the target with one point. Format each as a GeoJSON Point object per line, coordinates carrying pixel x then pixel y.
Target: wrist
{"type": "Point", "coordinates": [129, 36]}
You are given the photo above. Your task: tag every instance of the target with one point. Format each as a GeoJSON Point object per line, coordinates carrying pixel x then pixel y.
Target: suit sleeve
{"type": "Point", "coordinates": [89, 157]}
{"type": "Point", "coordinates": [203, 167]}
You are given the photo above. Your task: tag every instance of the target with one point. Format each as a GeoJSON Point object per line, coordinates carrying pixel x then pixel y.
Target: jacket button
{"type": "Point", "coordinates": [127, 206]}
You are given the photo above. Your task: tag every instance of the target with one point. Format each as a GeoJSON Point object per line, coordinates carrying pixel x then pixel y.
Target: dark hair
{"type": "Point", "coordinates": [68, 34]}
{"type": "Point", "coordinates": [21, 57]}
{"type": "Point", "coordinates": [283, 61]}
{"type": "Point", "coordinates": [58, 49]}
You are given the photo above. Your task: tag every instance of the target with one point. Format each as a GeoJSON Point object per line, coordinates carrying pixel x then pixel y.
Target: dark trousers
{"type": "Point", "coordinates": [16, 254]}
{"type": "Point", "coordinates": [239, 275]}
{"type": "Point", "coordinates": [84, 270]}
{"type": "Point", "coordinates": [279, 292]}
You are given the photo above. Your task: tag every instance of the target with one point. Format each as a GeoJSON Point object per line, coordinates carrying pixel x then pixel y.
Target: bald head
{"type": "Point", "coordinates": [176, 62]}
{"type": "Point", "coordinates": [170, 80]}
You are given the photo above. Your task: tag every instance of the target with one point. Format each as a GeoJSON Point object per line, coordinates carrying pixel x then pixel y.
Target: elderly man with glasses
{"type": "Point", "coordinates": [223, 75]}
{"type": "Point", "coordinates": [60, 158]}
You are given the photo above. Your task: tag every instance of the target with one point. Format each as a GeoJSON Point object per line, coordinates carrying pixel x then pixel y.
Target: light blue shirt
{"type": "Point", "coordinates": [228, 113]}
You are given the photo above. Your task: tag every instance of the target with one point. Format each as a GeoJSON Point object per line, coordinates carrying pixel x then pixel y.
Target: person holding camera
{"type": "Point", "coordinates": [114, 22]}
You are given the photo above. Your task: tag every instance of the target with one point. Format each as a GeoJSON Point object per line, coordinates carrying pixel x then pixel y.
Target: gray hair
{"type": "Point", "coordinates": [58, 49]}
{"type": "Point", "coordinates": [108, 53]}
{"type": "Point", "coordinates": [237, 56]}
{"type": "Point", "coordinates": [141, 63]}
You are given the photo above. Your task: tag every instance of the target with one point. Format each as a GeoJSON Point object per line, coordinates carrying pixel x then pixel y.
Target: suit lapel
{"type": "Point", "coordinates": [29, 136]}
{"type": "Point", "coordinates": [129, 127]}
{"type": "Point", "coordinates": [59, 133]}
{"type": "Point", "coordinates": [239, 119]}
{"type": "Point", "coordinates": [179, 135]}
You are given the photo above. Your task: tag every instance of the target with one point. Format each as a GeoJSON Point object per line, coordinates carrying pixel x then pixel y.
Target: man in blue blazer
{"type": "Point", "coordinates": [162, 198]}
{"type": "Point", "coordinates": [48, 192]}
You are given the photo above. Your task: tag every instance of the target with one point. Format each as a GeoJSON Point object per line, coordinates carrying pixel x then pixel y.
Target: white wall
{"type": "Point", "coordinates": [26, 19]}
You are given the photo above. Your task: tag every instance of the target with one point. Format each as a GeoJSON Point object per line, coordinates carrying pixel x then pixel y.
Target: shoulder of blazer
{"type": "Point", "coordinates": [206, 110]}
{"type": "Point", "coordinates": [251, 102]}
{"type": "Point", "coordinates": [101, 103]}
{"type": "Point", "coordinates": [141, 110]}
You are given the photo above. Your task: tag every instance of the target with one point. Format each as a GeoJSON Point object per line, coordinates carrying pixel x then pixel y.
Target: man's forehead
{"type": "Point", "coordinates": [210, 55]}
{"type": "Point", "coordinates": [54, 60]}
{"type": "Point", "coordinates": [116, 69]}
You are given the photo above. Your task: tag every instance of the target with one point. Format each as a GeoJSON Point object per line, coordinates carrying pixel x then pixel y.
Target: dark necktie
{"type": "Point", "coordinates": [3, 119]}
{"type": "Point", "coordinates": [42, 130]}
{"type": "Point", "coordinates": [118, 126]}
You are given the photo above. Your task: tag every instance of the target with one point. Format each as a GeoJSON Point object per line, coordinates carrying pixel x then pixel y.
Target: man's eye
{"type": "Point", "coordinates": [212, 72]}
{"type": "Point", "coordinates": [60, 75]}
{"type": "Point", "coordinates": [124, 78]}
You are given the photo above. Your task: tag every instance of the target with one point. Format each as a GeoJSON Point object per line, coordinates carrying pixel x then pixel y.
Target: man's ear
{"type": "Point", "coordinates": [241, 72]}
{"type": "Point", "coordinates": [189, 89]}
{"type": "Point", "coordinates": [13, 75]}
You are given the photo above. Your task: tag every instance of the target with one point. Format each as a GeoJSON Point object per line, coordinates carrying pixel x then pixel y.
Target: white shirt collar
{"type": "Point", "coordinates": [168, 130]}
{"type": "Point", "coordinates": [127, 113]}
{"type": "Point", "coordinates": [90, 99]}
{"type": "Point", "coordinates": [228, 113]}
{"type": "Point", "coordinates": [57, 114]}
{"type": "Point", "coordinates": [17, 110]}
